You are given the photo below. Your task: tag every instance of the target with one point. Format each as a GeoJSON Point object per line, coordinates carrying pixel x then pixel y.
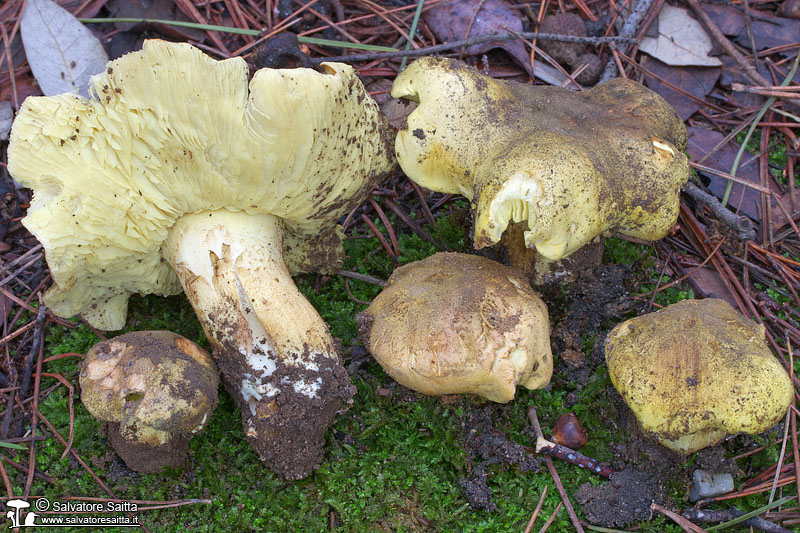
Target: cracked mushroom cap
{"type": "Point", "coordinates": [154, 383]}
{"type": "Point", "coordinates": [170, 131]}
{"type": "Point", "coordinates": [695, 372]}
{"type": "Point", "coordinates": [457, 323]}
{"type": "Point", "coordinates": [570, 165]}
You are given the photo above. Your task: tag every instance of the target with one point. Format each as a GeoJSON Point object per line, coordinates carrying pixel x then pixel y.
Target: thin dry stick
{"type": "Point", "coordinates": [188, 501]}
{"type": "Point", "coordinates": [678, 519]}
{"type": "Point", "coordinates": [425, 210]}
{"type": "Point", "coordinates": [80, 460]}
{"type": "Point", "coordinates": [62, 356]}
{"type": "Point", "coordinates": [568, 455]}
{"type": "Point", "coordinates": [628, 30]}
{"type": "Point", "coordinates": [742, 224]}
{"type": "Point", "coordinates": [552, 517]}
{"type": "Point", "coordinates": [551, 467]}
{"type": "Point", "coordinates": [428, 50]}
{"type": "Point", "coordinates": [350, 294]}
{"type": "Point", "coordinates": [7, 44]}
{"type": "Point", "coordinates": [536, 511]}
{"type": "Point", "coordinates": [190, 11]}
{"type": "Point", "coordinates": [22, 468]}
{"type": "Point", "coordinates": [362, 277]}
{"type": "Point", "coordinates": [386, 224]}
{"type": "Point", "coordinates": [71, 390]}
{"type": "Point", "coordinates": [413, 225]}
{"type": "Point", "coordinates": [687, 275]}
{"type": "Point", "coordinates": [782, 456]}
{"type": "Point", "coordinates": [37, 379]}
{"type": "Point", "coordinates": [7, 482]}
{"type": "Point", "coordinates": [795, 451]}
{"type": "Point", "coordinates": [379, 235]}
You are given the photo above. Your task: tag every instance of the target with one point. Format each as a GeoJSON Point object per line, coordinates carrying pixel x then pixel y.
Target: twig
{"type": "Point", "coordinates": [37, 339]}
{"type": "Point", "coordinates": [38, 344]}
{"type": "Point", "coordinates": [742, 224]}
{"type": "Point", "coordinates": [536, 511]}
{"type": "Point", "coordinates": [71, 390]}
{"type": "Point", "coordinates": [381, 238]}
{"type": "Point", "coordinates": [413, 225]}
{"type": "Point", "coordinates": [713, 516]}
{"type": "Point", "coordinates": [551, 467]}
{"type": "Point", "coordinates": [795, 451]}
{"type": "Point", "coordinates": [552, 517]}
{"type": "Point", "coordinates": [80, 460]}
{"type": "Point", "coordinates": [7, 482]}
{"type": "Point", "coordinates": [568, 455]}
{"type": "Point", "coordinates": [781, 457]}
{"type": "Point", "coordinates": [361, 277]}
{"type": "Point", "coordinates": [350, 293]}
{"type": "Point", "coordinates": [386, 224]}
{"type": "Point", "coordinates": [428, 50]}
{"type": "Point", "coordinates": [628, 30]}
{"type": "Point", "coordinates": [22, 468]}
{"type": "Point", "coordinates": [686, 524]}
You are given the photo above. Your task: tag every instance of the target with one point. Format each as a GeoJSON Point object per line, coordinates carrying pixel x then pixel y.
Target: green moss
{"type": "Point", "coordinates": [622, 252]}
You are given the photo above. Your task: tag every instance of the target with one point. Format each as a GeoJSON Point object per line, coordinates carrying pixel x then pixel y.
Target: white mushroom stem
{"type": "Point", "coordinates": [267, 336]}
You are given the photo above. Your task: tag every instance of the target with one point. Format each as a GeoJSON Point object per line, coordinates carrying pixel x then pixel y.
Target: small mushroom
{"type": "Point", "coordinates": [456, 323]}
{"type": "Point", "coordinates": [565, 167]}
{"type": "Point", "coordinates": [178, 175]}
{"type": "Point", "coordinates": [695, 372]}
{"type": "Point", "coordinates": [155, 389]}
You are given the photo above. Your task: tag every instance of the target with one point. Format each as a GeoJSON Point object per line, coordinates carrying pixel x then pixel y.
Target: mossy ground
{"type": "Point", "coordinates": [392, 461]}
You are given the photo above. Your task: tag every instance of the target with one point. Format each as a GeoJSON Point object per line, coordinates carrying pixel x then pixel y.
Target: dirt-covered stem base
{"type": "Point", "coordinates": [275, 352]}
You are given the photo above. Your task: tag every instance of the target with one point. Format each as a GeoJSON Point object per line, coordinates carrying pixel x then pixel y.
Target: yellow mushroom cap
{"type": "Point", "coordinates": [571, 165]}
{"type": "Point", "coordinates": [457, 323]}
{"type": "Point", "coordinates": [695, 372]}
{"type": "Point", "coordinates": [170, 131]}
{"type": "Point", "coordinates": [155, 384]}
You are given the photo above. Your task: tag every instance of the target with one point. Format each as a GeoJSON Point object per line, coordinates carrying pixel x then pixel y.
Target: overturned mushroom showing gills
{"type": "Point", "coordinates": [176, 176]}
{"type": "Point", "coordinates": [695, 372]}
{"type": "Point", "coordinates": [563, 166]}
{"type": "Point", "coordinates": [155, 389]}
{"type": "Point", "coordinates": [457, 323]}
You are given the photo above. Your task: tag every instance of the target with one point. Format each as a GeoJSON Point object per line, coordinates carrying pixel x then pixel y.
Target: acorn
{"type": "Point", "coordinates": [569, 432]}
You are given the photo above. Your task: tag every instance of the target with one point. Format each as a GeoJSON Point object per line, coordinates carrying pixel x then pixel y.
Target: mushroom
{"type": "Point", "coordinates": [173, 176]}
{"type": "Point", "coordinates": [457, 323]}
{"type": "Point", "coordinates": [695, 372]}
{"type": "Point", "coordinates": [556, 168]}
{"type": "Point", "coordinates": [155, 389]}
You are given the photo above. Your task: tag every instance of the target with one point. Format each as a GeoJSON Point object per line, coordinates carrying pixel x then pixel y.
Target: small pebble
{"type": "Point", "coordinates": [708, 485]}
